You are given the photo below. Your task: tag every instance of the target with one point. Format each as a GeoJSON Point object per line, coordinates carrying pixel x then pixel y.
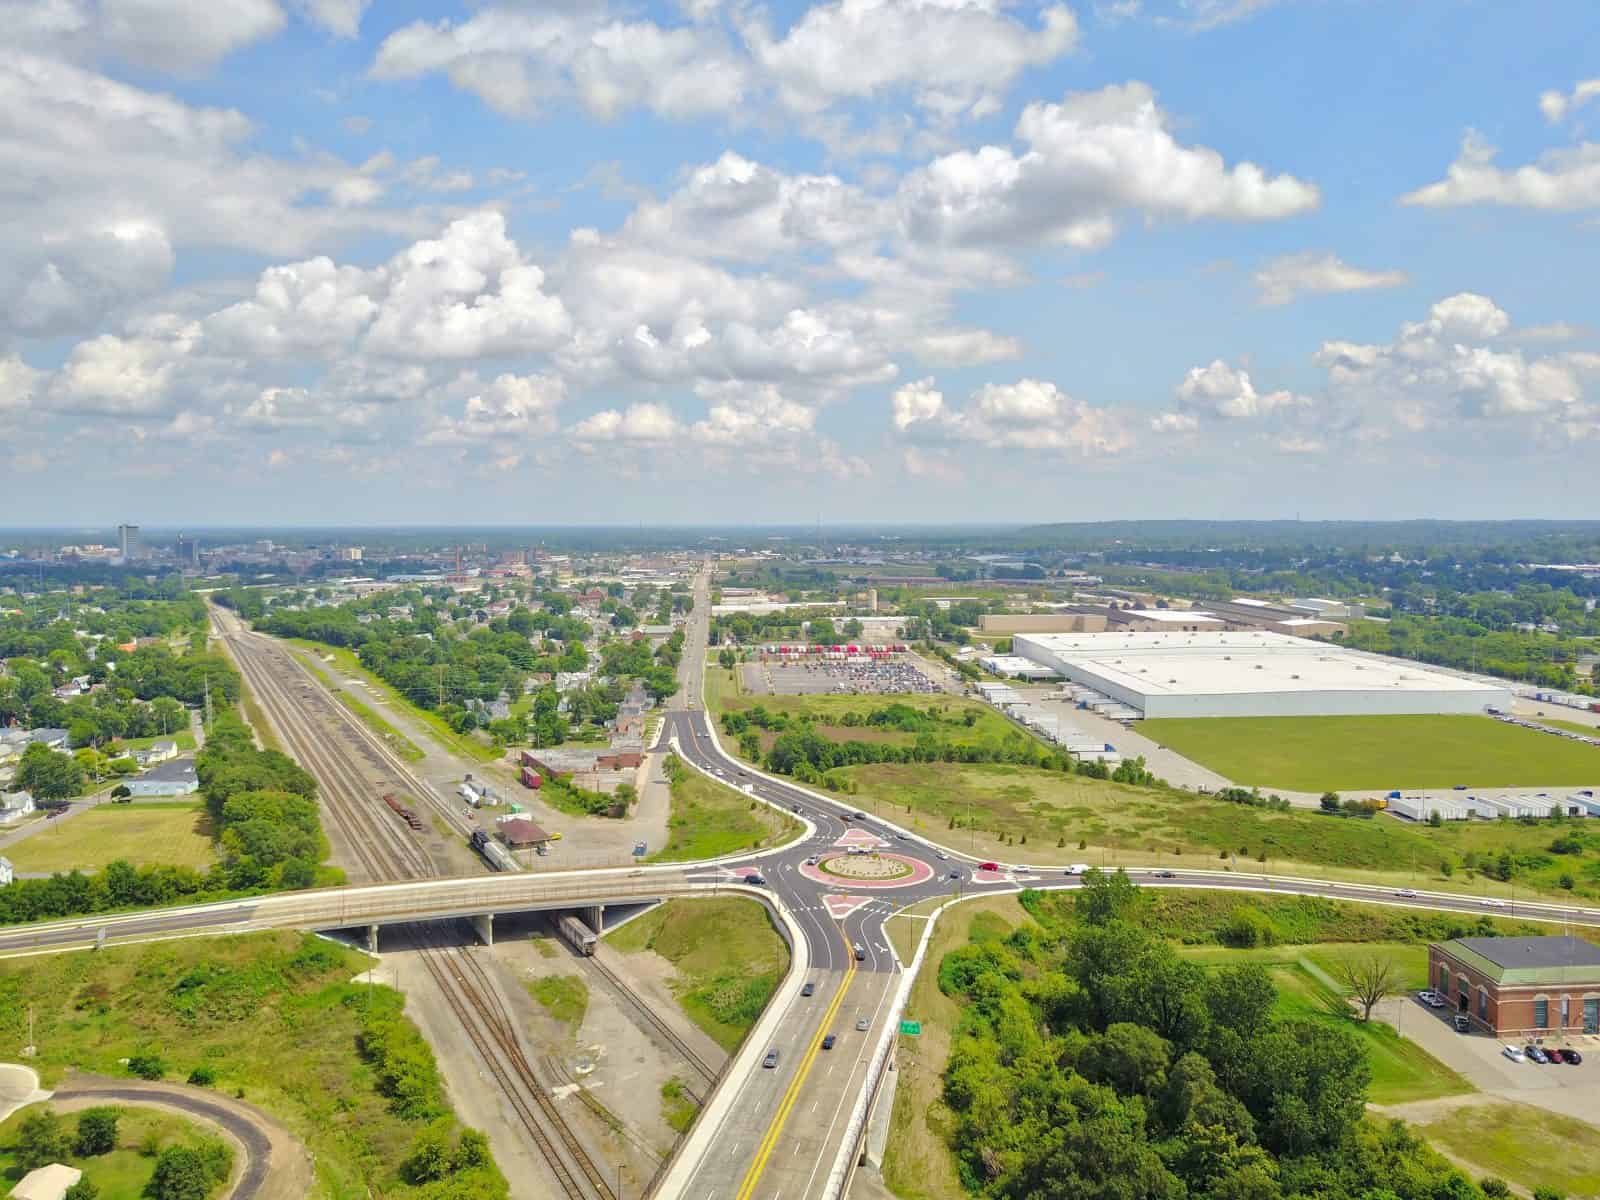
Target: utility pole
{"type": "Point", "coordinates": [208, 698]}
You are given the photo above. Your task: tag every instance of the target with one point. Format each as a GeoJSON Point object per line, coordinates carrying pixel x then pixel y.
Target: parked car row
{"type": "Point", "coordinates": [1551, 1055]}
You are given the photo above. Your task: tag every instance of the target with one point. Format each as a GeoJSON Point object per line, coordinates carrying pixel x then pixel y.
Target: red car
{"type": "Point", "coordinates": [988, 866]}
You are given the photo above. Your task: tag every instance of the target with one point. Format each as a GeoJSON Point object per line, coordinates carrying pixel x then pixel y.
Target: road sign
{"type": "Point", "coordinates": [911, 1028]}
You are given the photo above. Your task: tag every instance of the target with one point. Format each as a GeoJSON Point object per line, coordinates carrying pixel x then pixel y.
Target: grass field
{"type": "Point", "coordinates": [1523, 1145]}
{"type": "Point", "coordinates": [123, 1173]}
{"type": "Point", "coordinates": [277, 1016]}
{"type": "Point", "coordinates": [727, 957]}
{"type": "Point", "coordinates": [1401, 1070]}
{"type": "Point", "coordinates": [564, 997]}
{"type": "Point", "coordinates": [347, 662]}
{"type": "Point", "coordinates": [170, 833]}
{"type": "Point", "coordinates": [1313, 754]}
{"type": "Point", "coordinates": [1059, 818]}
{"type": "Point", "coordinates": [711, 819]}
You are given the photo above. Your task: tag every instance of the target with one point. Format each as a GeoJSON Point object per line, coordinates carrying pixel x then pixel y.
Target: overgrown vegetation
{"type": "Point", "coordinates": [727, 956]}
{"type": "Point", "coordinates": [564, 997]}
{"type": "Point", "coordinates": [1091, 1060]}
{"type": "Point", "coordinates": [276, 1019]}
{"type": "Point", "coordinates": [709, 820]}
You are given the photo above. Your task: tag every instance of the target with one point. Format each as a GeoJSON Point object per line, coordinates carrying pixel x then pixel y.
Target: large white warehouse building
{"type": "Point", "coordinates": [1251, 673]}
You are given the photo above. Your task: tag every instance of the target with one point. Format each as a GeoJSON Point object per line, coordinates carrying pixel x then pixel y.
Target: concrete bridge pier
{"type": "Point", "coordinates": [483, 926]}
{"type": "Point", "coordinates": [372, 939]}
{"type": "Point", "coordinates": [595, 918]}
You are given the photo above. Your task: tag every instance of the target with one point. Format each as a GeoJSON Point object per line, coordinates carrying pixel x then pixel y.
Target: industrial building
{"type": "Point", "coordinates": [1250, 673]}
{"type": "Point", "coordinates": [1521, 986]}
{"type": "Point", "coordinates": [1248, 613]}
{"type": "Point", "coordinates": [1076, 621]}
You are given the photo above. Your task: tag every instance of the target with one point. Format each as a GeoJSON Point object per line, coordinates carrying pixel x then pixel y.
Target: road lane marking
{"type": "Point", "coordinates": [775, 1130]}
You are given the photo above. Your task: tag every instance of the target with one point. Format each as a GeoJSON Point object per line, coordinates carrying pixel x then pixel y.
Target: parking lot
{"type": "Point", "coordinates": [774, 676]}
{"type": "Point", "coordinates": [1571, 1090]}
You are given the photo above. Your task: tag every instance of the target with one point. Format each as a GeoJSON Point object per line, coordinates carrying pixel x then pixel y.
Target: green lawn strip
{"type": "Point", "coordinates": [278, 1017]}
{"type": "Point", "coordinates": [174, 833]}
{"type": "Point", "coordinates": [1376, 754]}
{"type": "Point", "coordinates": [256, 717]}
{"type": "Point", "coordinates": [1522, 1144]}
{"type": "Point", "coordinates": [346, 661]}
{"type": "Point", "coordinates": [710, 819]}
{"type": "Point", "coordinates": [120, 1174]}
{"type": "Point", "coordinates": [677, 1109]}
{"type": "Point", "coordinates": [917, 1163]}
{"type": "Point", "coordinates": [564, 997]}
{"type": "Point", "coordinates": [1024, 813]}
{"type": "Point", "coordinates": [727, 955]}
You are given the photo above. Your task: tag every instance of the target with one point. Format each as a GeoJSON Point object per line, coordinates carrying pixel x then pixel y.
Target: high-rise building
{"type": "Point", "coordinates": [128, 542]}
{"type": "Point", "coordinates": [187, 550]}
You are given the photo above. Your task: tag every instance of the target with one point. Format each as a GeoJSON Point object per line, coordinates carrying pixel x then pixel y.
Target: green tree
{"type": "Point", "coordinates": [48, 774]}
{"type": "Point", "coordinates": [1130, 1058]}
{"type": "Point", "coordinates": [84, 1189]}
{"type": "Point", "coordinates": [180, 1174]}
{"type": "Point", "coordinates": [1330, 802]}
{"type": "Point", "coordinates": [39, 1140]}
{"type": "Point", "coordinates": [1104, 898]}
{"type": "Point", "coordinates": [97, 1131]}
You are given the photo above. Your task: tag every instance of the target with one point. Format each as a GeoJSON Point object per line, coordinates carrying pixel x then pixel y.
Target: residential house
{"type": "Point", "coordinates": [175, 777]}
{"type": "Point", "coordinates": [159, 752]}
{"type": "Point", "coordinates": [8, 873]}
{"type": "Point", "coordinates": [14, 806]}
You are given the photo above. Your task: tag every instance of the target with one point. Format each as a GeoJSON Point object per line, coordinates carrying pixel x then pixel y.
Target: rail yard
{"type": "Point", "coordinates": [357, 778]}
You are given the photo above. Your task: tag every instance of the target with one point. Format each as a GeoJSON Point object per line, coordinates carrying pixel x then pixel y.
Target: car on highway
{"type": "Point", "coordinates": [827, 1042]}
{"type": "Point", "coordinates": [863, 1024]}
{"type": "Point", "coordinates": [1493, 903]}
{"type": "Point", "coordinates": [813, 860]}
{"type": "Point", "coordinates": [902, 837]}
{"type": "Point", "coordinates": [861, 816]}
{"type": "Point", "coordinates": [1431, 998]}
{"type": "Point", "coordinates": [943, 857]}
{"type": "Point", "coordinates": [1407, 893]}
{"type": "Point", "coordinates": [1514, 1054]}
{"type": "Point", "coordinates": [756, 879]}
{"type": "Point", "coordinates": [1533, 1052]}
{"type": "Point", "coordinates": [810, 989]}
{"type": "Point", "coordinates": [771, 1060]}
{"type": "Point", "coordinates": [1162, 874]}
{"type": "Point", "coordinates": [955, 873]}
{"type": "Point", "coordinates": [794, 808]}
{"type": "Point", "coordinates": [860, 952]}
{"type": "Point", "coordinates": [988, 866]}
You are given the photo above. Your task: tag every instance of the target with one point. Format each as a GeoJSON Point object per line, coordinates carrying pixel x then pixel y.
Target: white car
{"type": "Point", "coordinates": [1431, 998]}
{"type": "Point", "coordinates": [1494, 903]}
{"type": "Point", "coordinates": [1407, 894]}
{"type": "Point", "coordinates": [1514, 1053]}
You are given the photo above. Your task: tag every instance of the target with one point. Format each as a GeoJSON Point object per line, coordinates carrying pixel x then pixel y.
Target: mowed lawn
{"type": "Point", "coordinates": [710, 819]}
{"type": "Point", "coordinates": [1524, 1145]}
{"type": "Point", "coordinates": [169, 834]}
{"type": "Point", "coordinates": [1313, 754]}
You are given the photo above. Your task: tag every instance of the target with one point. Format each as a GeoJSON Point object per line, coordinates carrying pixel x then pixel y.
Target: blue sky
{"type": "Point", "coordinates": [713, 260]}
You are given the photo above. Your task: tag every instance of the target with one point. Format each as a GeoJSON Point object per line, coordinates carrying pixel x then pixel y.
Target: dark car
{"type": "Point", "coordinates": [1572, 1056]}
{"type": "Point", "coordinates": [955, 874]}
{"type": "Point", "coordinates": [771, 1060]}
{"type": "Point", "coordinates": [827, 1042]}
{"type": "Point", "coordinates": [756, 879]}
{"type": "Point", "coordinates": [809, 989]}
{"type": "Point", "coordinates": [1163, 874]}
{"type": "Point", "coordinates": [1535, 1054]}
{"type": "Point", "coordinates": [861, 953]}
{"type": "Point", "coordinates": [1463, 1023]}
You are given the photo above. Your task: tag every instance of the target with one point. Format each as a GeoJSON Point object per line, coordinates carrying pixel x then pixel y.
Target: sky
{"type": "Point", "coordinates": [721, 261]}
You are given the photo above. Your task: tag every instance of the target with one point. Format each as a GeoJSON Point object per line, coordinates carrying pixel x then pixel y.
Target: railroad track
{"type": "Point", "coordinates": [667, 1034]}
{"type": "Point", "coordinates": [387, 851]}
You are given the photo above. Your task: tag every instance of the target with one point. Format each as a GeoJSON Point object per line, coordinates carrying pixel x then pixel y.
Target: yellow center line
{"type": "Point", "coordinates": [775, 1130]}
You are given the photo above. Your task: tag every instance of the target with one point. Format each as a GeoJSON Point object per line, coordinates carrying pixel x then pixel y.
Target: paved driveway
{"type": "Point", "coordinates": [1574, 1091]}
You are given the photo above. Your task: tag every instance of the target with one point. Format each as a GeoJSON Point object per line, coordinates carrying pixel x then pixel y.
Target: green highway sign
{"type": "Point", "coordinates": [911, 1028]}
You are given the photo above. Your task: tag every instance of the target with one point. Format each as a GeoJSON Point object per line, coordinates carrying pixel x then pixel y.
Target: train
{"type": "Point", "coordinates": [401, 811]}
{"type": "Point", "coordinates": [496, 855]}
{"type": "Point", "coordinates": [577, 935]}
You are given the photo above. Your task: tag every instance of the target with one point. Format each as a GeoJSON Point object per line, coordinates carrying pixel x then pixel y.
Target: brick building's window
{"type": "Point", "coordinates": [1483, 1005]}
{"type": "Point", "coordinates": [1541, 1014]}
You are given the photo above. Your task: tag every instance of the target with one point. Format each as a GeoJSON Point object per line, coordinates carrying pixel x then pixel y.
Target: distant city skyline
{"type": "Point", "coordinates": [856, 260]}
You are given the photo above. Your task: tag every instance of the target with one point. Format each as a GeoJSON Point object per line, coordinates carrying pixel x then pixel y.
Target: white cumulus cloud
{"type": "Point", "coordinates": [1562, 180]}
{"type": "Point", "coordinates": [1284, 279]}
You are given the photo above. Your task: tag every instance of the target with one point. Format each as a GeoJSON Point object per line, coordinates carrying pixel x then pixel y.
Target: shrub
{"type": "Point", "coordinates": [147, 1066]}
{"type": "Point", "coordinates": [97, 1131]}
{"type": "Point", "coordinates": [39, 1140]}
{"type": "Point", "coordinates": [203, 1076]}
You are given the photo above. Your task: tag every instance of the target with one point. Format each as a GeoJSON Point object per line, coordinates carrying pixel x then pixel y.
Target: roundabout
{"type": "Point", "coordinates": [880, 870]}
